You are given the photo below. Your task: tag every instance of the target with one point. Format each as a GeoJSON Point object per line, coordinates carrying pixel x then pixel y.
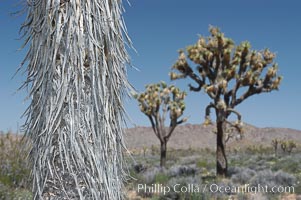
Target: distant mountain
{"type": "Point", "coordinates": [197, 136]}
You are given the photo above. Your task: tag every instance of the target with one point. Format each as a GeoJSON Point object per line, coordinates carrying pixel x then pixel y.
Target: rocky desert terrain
{"type": "Point", "coordinates": [197, 136]}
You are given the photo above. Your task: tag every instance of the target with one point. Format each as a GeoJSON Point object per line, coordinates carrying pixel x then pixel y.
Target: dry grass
{"type": "Point", "coordinates": [14, 169]}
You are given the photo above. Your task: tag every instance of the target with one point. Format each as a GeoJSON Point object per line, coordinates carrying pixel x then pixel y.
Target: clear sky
{"type": "Point", "coordinates": [159, 28]}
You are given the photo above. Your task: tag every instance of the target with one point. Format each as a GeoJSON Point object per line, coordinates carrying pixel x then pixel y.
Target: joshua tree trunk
{"type": "Point", "coordinates": [221, 160]}
{"type": "Point", "coordinates": [77, 79]}
{"type": "Point", "coordinates": [163, 150]}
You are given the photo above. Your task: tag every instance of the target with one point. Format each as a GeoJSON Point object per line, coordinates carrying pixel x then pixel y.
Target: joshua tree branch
{"type": "Point", "coordinates": [228, 136]}
{"type": "Point", "coordinates": [210, 75]}
{"type": "Point", "coordinates": [180, 122]}
{"type": "Point", "coordinates": [195, 89]}
{"type": "Point", "coordinates": [211, 105]}
{"type": "Point", "coordinates": [197, 79]}
{"type": "Point", "coordinates": [164, 112]}
{"type": "Point", "coordinates": [236, 126]}
{"type": "Point", "coordinates": [233, 92]}
{"type": "Point", "coordinates": [153, 126]}
{"type": "Point", "coordinates": [158, 128]}
{"type": "Point", "coordinates": [251, 91]}
{"type": "Point", "coordinates": [230, 110]}
{"type": "Point", "coordinates": [211, 95]}
{"type": "Point", "coordinates": [172, 126]}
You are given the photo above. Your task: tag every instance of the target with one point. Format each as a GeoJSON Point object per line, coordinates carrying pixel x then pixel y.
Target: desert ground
{"type": "Point", "coordinates": [252, 161]}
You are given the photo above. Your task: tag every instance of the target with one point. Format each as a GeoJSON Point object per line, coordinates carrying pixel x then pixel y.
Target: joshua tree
{"type": "Point", "coordinates": [229, 75]}
{"type": "Point", "coordinates": [77, 80]}
{"type": "Point", "coordinates": [287, 146]}
{"type": "Point", "coordinates": [275, 143]}
{"type": "Point", "coordinates": [155, 103]}
{"type": "Point", "coordinates": [283, 145]}
{"type": "Point", "coordinates": [290, 146]}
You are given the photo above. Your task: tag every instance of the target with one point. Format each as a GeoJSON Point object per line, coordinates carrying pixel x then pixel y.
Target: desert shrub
{"type": "Point", "coordinates": [180, 170]}
{"type": "Point", "coordinates": [172, 159]}
{"type": "Point", "coordinates": [161, 178]}
{"type": "Point", "coordinates": [243, 175]}
{"type": "Point", "coordinates": [150, 174]}
{"type": "Point", "coordinates": [170, 196]}
{"type": "Point", "coordinates": [183, 181]}
{"type": "Point", "coordinates": [202, 164]}
{"type": "Point", "coordinates": [134, 175]}
{"type": "Point", "coordinates": [285, 179]}
{"type": "Point", "coordinates": [265, 177]}
{"type": "Point", "coordinates": [211, 173]}
{"type": "Point", "coordinates": [270, 158]}
{"type": "Point", "coordinates": [271, 179]}
{"type": "Point", "coordinates": [151, 160]}
{"type": "Point", "coordinates": [189, 159]}
{"type": "Point", "coordinates": [144, 175]}
{"type": "Point", "coordinates": [224, 184]}
{"type": "Point", "coordinates": [233, 170]}
{"type": "Point", "coordinates": [240, 159]}
{"type": "Point", "coordinates": [298, 185]}
{"type": "Point", "coordinates": [289, 164]}
{"type": "Point", "coordinates": [258, 149]}
{"type": "Point", "coordinates": [145, 194]}
{"type": "Point", "coordinates": [155, 150]}
{"type": "Point", "coordinates": [145, 150]}
{"type": "Point", "coordinates": [206, 164]}
{"type": "Point", "coordinates": [288, 146]}
{"type": "Point", "coordinates": [7, 193]}
{"type": "Point", "coordinates": [14, 170]}
{"type": "Point", "coordinates": [138, 167]}
{"type": "Point", "coordinates": [242, 196]}
{"type": "Point", "coordinates": [184, 196]}
{"type": "Point", "coordinates": [258, 165]}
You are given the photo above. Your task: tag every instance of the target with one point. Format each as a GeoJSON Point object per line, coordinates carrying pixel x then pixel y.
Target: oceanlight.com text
{"type": "Point", "coordinates": [213, 188]}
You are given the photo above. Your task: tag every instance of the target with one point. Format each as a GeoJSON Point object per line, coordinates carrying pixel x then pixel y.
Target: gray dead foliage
{"type": "Point", "coordinates": [76, 76]}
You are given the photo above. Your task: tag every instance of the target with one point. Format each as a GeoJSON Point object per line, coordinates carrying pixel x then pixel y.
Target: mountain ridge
{"type": "Point", "coordinates": [197, 136]}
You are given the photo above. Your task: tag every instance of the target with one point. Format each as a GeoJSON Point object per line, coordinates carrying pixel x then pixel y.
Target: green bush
{"type": "Point", "coordinates": [201, 164]}
{"type": "Point", "coordinates": [161, 178]}
{"type": "Point", "coordinates": [7, 193]}
{"type": "Point", "coordinates": [14, 168]}
{"type": "Point", "coordinates": [289, 165]}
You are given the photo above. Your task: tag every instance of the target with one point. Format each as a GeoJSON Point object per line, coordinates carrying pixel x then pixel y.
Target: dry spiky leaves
{"type": "Point", "coordinates": [77, 80]}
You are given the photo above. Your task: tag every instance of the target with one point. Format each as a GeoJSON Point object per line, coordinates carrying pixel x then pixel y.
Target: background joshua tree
{"type": "Point", "coordinates": [77, 80]}
{"type": "Point", "coordinates": [155, 103]}
{"type": "Point", "coordinates": [287, 145]}
{"type": "Point", "coordinates": [275, 143]}
{"type": "Point", "coordinates": [230, 131]}
{"type": "Point", "coordinates": [229, 75]}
